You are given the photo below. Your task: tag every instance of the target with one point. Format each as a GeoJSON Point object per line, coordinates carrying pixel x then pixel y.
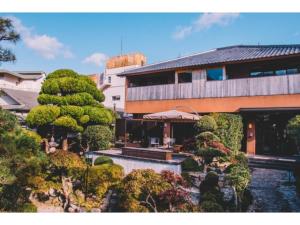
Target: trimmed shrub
{"type": "Point", "coordinates": [103, 177]}
{"type": "Point", "coordinates": [204, 138]}
{"type": "Point", "coordinates": [239, 177]}
{"type": "Point", "coordinates": [28, 207]}
{"type": "Point", "coordinates": [230, 130]}
{"type": "Point", "coordinates": [69, 123]}
{"type": "Point", "coordinates": [42, 115]}
{"type": "Point", "coordinates": [97, 137]}
{"type": "Point", "coordinates": [211, 206]}
{"type": "Point", "coordinates": [190, 164]}
{"type": "Point", "coordinates": [103, 160]}
{"type": "Point", "coordinates": [62, 73]}
{"type": "Point", "coordinates": [209, 154]}
{"type": "Point", "coordinates": [50, 87]}
{"type": "Point", "coordinates": [98, 115]}
{"type": "Point", "coordinates": [206, 123]}
{"type": "Point", "coordinates": [8, 121]}
{"type": "Point", "coordinates": [293, 131]}
{"type": "Point", "coordinates": [84, 119]}
{"type": "Point", "coordinates": [212, 178]}
{"type": "Point", "coordinates": [72, 110]}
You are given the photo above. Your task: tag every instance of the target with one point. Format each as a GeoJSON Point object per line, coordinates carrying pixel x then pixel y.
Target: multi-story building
{"type": "Point", "coordinates": [262, 83]}
{"type": "Point", "coordinates": [112, 85]}
{"type": "Point", "coordinates": [19, 90]}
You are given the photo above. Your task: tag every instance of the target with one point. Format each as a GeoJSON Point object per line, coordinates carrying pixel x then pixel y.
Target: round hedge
{"type": "Point", "coordinates": [69, 123]}
{"type": "Point", "coordinates": [206, 123]}
{"type": "Point", "coordinates": [103, 160]}
{"type": "Point", "coordinates": [98, 115]}
{"type": "Point", "coordinates": [72, 110]}
{"type": "Point", "coordinates": [62, 73]}
{"type": "Point", "coordinates": [97, 137]}
{"type": "Point", "coordinates": [42, 115]}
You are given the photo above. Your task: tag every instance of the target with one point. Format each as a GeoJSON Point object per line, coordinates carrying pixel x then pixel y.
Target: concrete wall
{"type": "Point", "coordinates": [130, 164]}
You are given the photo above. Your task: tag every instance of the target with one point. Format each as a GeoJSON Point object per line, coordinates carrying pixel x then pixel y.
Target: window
{"type": "Point", "coordinates": [214, 74]}
{"type": "Point", "coordinates": [109, 80]}
{"type": "Point", "coordinates": [116, 97]}
{"type": "Point", "coordinates": [280, 72]}
{"type": "Point", "coordinates": [185, 77]}
{"type": "Point", "coordinates": [292, 71]}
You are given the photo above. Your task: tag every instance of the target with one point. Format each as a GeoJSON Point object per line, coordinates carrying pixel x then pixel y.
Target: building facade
{"type": "Point", "coordinates": [19, 90]}
{"type": "Point", "coordinates": [262, 83]}
{"type": "Point", "coordinates": [112, 85]}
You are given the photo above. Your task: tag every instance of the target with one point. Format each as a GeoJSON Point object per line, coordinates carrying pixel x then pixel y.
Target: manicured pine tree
{"type": "Point", "coordinates": [70, 102]}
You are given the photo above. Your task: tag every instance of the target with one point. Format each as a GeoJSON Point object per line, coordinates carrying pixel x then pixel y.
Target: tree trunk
{"type": "Point", "coordinates": [46, 145]}
{"type": "Point", "coordinates": [65, 144]}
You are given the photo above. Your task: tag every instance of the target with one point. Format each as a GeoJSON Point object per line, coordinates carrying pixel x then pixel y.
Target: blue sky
{"type": "Point", "coordinates": [84, 41]}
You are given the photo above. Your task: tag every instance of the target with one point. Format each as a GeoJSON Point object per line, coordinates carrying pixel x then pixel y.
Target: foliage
{"type": "Point", "coordinates": [239, 177]}
{"type": "Point", "coordinates": [210, 182]}
{"type": "Point", "coordinates": [62, 73]}
{"type": "Point", "coordinates": [9, 34]}
{"type": "Point", "coordinates": [190, 164]}
{"type": "Point", "coordinates": [140, 189]}
{"type": "Point", "coordinates": [8, 121]}
{"type": "Point", "coordinates": [103, 160]}
{"type": "Point", "coordinates": [71, 110]}
{"type": "Point", "coordinates": [205, 138]}
{"type": "Point", "coordinates": [37, 138]}
{"type": "Point", "coordinates": [230, 130]}
{"type": "Point", "coordinates": [28, 207]}
{"type": "Point", "coordinates": [208, 154]}
{"type": "Point", "coordinates": [98, 115]}
{"type": "Point", "coordinates": [211, 206]}
{"type": "Point", "coordinates": [293, 131]}
{"type": "Point", "coordinates": [103, 177]}
{"type": "Point", "coordinates": [206, 123]}
{"type": "Point", "coordinates": [97, 137]}
{"type": "Point", "coordinates": [67, 163]}
{"type": "Point", "coordinates": [68, 123]}
{"type": "Point", "coordinates": [42, 115]}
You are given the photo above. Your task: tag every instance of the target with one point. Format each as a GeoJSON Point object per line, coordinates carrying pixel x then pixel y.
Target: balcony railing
{"type": "Point", "coordinates": [273, 85]}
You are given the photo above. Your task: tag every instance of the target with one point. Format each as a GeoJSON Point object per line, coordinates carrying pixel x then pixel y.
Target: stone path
{"type": "Point", "coordinates": [273, 192]}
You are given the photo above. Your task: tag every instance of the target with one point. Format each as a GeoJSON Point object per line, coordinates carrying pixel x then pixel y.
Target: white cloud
{"type": "Point", "coordinates": [45, 45]}
{"type": "Point", "coordinates": [205, 21]}
{"type": "Point", "coordinates": [97, 59]}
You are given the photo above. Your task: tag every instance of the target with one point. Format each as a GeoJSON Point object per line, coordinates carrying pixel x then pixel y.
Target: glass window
{"type": "Point", "coordinates": [116, 97]}
{"type": "Point", "coordinates": [292, 71]}
{"type": "Point", "coordinates": [269, 73]}
{"type": "Point", "coordinates": [214, 74]}
{"type": "Point", "coordinates": [280, 72]}
{"type": "Point", "coordinates": [109, 80]}
{"type": "Point", "coordinates": [185, 77]}
{"type": "Point", "coordinates": [256, 73]}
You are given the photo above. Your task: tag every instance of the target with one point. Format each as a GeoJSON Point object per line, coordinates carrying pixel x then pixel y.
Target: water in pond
{"type": "Point", "coordinates": [274, 191]}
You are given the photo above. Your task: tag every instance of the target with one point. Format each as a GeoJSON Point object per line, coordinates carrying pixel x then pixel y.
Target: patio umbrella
{"type": "Point", "coordinates": [171, 115]}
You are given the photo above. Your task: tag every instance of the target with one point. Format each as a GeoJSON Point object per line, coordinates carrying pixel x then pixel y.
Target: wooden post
{"type": "Point", "coordinates": [251, 138]}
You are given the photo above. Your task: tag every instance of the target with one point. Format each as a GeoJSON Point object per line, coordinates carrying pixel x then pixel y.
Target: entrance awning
{"type": "Point", "coordinates": [172, 115]}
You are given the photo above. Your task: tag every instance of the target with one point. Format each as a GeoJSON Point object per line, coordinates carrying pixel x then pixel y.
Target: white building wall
{"type": "Point", "coordinates": [117, 87]}
{"type": "Point", "coordinates": [12, 82]}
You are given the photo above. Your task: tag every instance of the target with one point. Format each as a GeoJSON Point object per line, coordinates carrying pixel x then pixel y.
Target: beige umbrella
{"type": "Point", "coordinates": [171, 115]}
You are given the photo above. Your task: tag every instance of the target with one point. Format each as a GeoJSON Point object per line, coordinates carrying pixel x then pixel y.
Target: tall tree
{"type": "Point", "coordinates": [69, 102]}
{"type": "Point", "coordinates": [7, 33]}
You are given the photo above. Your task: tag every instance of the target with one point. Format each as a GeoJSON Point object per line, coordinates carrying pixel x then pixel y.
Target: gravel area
{"type": "Point", "coordinates": [274, 191]}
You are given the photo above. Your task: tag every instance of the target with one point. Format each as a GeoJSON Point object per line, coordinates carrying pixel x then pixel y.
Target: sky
{"type": "Point", "coordinates": [83, 42]}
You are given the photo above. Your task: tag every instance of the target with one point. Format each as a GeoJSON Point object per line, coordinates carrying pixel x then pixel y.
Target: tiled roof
{"type": "Point", "coordinates": [26, 99]}
{"type": "Point", "coordinates": [219, 56]}
{"type": "Point", "coordinates": [25, 75]}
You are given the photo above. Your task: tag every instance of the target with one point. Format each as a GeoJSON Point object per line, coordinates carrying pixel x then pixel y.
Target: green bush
{"type": "Point", "coordinates": [68, 123]}
{"type": "Point", "coordinates": [230, 130]}
{"type": "Point", "coordinates": [28, 207]}
{"type": "Point", "coordinates": [50, 87]}
{"type": "Point", "coordinates": [204, 138]}
{"type": "Point", "coordinates": [103, 177]}
{"type": "Point", "coordinates": [98, 115]}
{"type": "Point", "coordinates": [206, 123]}
{"type": "Point", "coordinates": [84, 119]}
{"type": "Point", "coordinates": [62, 73]}
{"type": "Point", "coordinates": [190, 164]}
{"type": "Point", "coordinates": [8, 121]}
{"type": "Point", "coordinates": [42, 115]}
{"type": "Point", "coordinates": [211, 206]}
{"type": "Point", "coordinates": [103, 160]}
{"type": "Point", "coordinates": [212, 178]}
{"type": "Point", "coordinates": [239, 177]}
{"type": "Point", "coordinates": [209, 154]}
{"type": "Point", "coordinates": [97, 137]}
{"type": "Point", "coordinates": [293, 131]}
{"type": "Point", "coordinates": [71, 110]}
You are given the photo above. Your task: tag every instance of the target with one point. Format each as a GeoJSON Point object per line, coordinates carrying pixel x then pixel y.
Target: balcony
{"type": "Point", "coordinates": [200, 88]}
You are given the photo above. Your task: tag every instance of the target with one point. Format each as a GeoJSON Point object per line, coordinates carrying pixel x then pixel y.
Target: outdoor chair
{"type": "Point", "coordinates": [154, 142]}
